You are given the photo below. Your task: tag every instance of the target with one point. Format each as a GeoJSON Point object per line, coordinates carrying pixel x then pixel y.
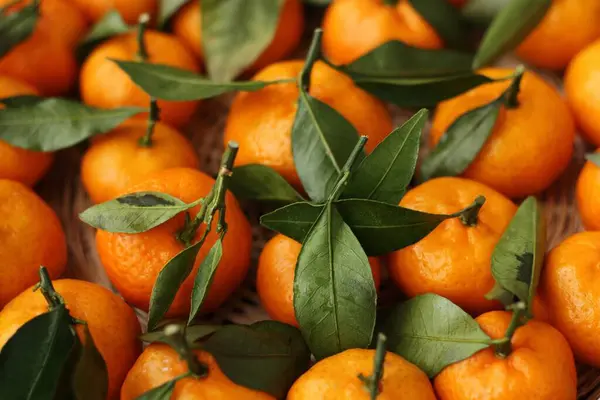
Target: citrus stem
{"type": "Point", "coordinates": [470, 215]}
{"type": "Point", "coordinates": [503, 346]}
{"type": "Point", "coordinates": [214, 202]}
{"type": "Point", "coordinates": [153, 117]}
{"type": "Point", "coordinates": [45, 286]}
{"type": "Point", "coordinates": [176, 339]}
{"type": "Point", "coordinates": [372, 382]}
{"type": "Point", "coordinates": [511, 95]}
{"type": "Point", "coordinates": [314, 52]}
{"type": "Point", "coordinates": [142, 53]}
{"type": "Point", "coordinates": [347, 168]}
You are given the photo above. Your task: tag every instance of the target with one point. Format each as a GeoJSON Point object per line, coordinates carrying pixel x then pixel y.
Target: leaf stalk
{"type": "Point", "coordinates": [142, 53]}
{"type": "Point", "coordinates": [153, 118]}
{"type": "Point", "coordinates": [346, 169]}
{"type": "Point", "coordinates": [176, 338]}
{"type": "Point", "coordinates": [372, 382]}
{"type": "Point", "coordinates": [470, 215]}
{"type": "Point", "coordinates": [511, 95]}
{"type": "Point", "coordinates": [314, 52]}
{"type": "Point", "coordinates": [503, 346]}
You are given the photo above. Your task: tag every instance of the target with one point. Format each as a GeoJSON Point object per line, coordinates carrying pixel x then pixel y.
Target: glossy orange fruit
{"type": "Point", "coordinates": [567, 27]}
{"type": "Point", "coordinates": [187, 26]}
{"type": "Point", "coordinates": [569, 285]}
{"type": "Point", "coordinates": [133, 262]}
{"type": "Point", "coordinates": [588, 195]}
{"type": "Point", "coordinates": [352, 28]}
{"type": "Point", "coordinates": [112, 323]}
{"type": "Point", "coordinates": [159, 364]}
{"type": "Point", "coordinates": [275, 277]}
{"type": "Point", "coordinates": [515, 164]}
{"type": "Point", "coordinates": [130, 10]}
{"type": "Point", "coordinates": [582, 86]}
{"type": "Point", "coordinates": [31, 236]}
{"type": "Point", "coordinates": [453, 260]}
{"type": "Point", "coordinates": [116, 160]}
{"type": "Point", "coordinates": [103, 84]}
{"type": "Point", "coordinates": [58, 17]}
{"type": "Point", "coordinates": [44, 60]}
{"type": "Point", "coordinates": [18, 164]}
{"type": "Point", "coordinates": [261, 122]}
{"type": "Point", "coordinates": [336, 377]}
{"type": "Point", "coordinates": [539, 367]}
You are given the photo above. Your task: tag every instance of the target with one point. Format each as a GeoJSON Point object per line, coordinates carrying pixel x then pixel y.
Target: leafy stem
{"type": "Point", "coordinates": [372, 382]}
{"type": "Point", "coordinates": [346, 169]}
{"type": "Point", "coordinates": [153, 117]}
{"type": "Point", "coordinates": [45, 286]}
{"type": "Point", "coordinates": [502, 346]}
{"type": "Point", "coordinates": [175, 336]}
{"type": "Point", "coordinates": [213, 203]}
{"type": "Point", "coordinates": [470, 215]}
{"type": "Point", "coordinates": [142, 53]}
{"type": "Point", "coordinates": [511, 94]}
{"type": "Point", "coordinates": [314, 52]}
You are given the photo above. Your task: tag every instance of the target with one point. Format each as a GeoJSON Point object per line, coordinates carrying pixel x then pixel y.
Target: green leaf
{"type": "Point", "coordinates": [294, 220]}
{"type": "Point", "coordinates": [193, 333]}
{"type": "Point", "coordinates": [322, 140]}
{"type": "Point", "coordinates": [509, 28]}
{"type": "Point", "coordinates": [135, 212]}
{"type": "Point", "coordinates": [445, 19]}
{"type": "Point", "coordinates": [166, 9]}
{"type": "Point", "coordinates": [170, 83]}
{"type": "Point", "coordinates": [204, 278]}
{"type": "Point", "coordinates": [593, 158]}
{"type": "Point", "coordinates": [235, 33]}
{"type": "Point", "coordinates": [334, 293]}
{"type": "Point", "coordinates": [90, 376]}
{"type": "Point", "coordinates": [419, 92]}
{"type": "Point", "coordinates": [395, 59]}
{"type": "Point", "coordinates": [164, 391]}
{"type": "Point", "coordinates": [17, 27]}
{"type": "Point", "coordinates": [111, 24]}
{"type": "Point", "coordinates": [54, 124]}
{"type": "Point", "coordinates": [32, 360]}
{"type": "Point", "coordinates": [462, 142]}
{"type": "Point", "coordinates": [267, 356]}
{"type": "Point", "coordinates": [385, 174]}
{"type": "Point", "coordinates": [261, 183]}
{"type": "Point", "coordinates": [432, 333]}
{"type": "Point", "coordinates": [482, 11]}
{"type": "Point", "coordinates": [382, 228]}
{"type": "Point", "coordinates": [168, 282]}
{"type": "Point", "coordinates": [518, 256]}
{"type": "Point", "coordinates": [25, 100]}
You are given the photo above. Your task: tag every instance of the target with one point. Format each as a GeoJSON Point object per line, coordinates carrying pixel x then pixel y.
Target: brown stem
{"type": "Point", "coordinates": [176, 339]}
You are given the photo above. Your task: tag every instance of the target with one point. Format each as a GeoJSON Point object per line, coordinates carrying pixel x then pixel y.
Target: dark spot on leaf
{"type": "Point", "coordinates": [144, 200]}
{"type": "Point", "coordinates": [525, 268]}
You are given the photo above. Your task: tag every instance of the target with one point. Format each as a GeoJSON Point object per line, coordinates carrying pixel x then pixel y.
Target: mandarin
{"type": "Point", "coordinates": [19, 164]}
{"type": "Point", "coordinates": [112, 323]}
{"type": "Point", "coordinates": [588, 195]}
{"type": "Point", "coordinates": [130, 10]}
{"type": "Point", "coordinates": [540, 366]}
{"type": "Point", "coordinates": [188, 22]}
{"type": "Point", "coordinates": [117, 159]}
{"type": "Point", "coordinates": [454, 260]}
{"type": "Point", "coordinates": [103, 84]}
{"type": "Point", "coordinates": [261, 122]}
{"type": "Point", "coordinates": [514, 163]}
{"type": "Point", "coordinates": [31, 236]}
{"type": "Point", "coordinates": [352, 28]}
{"type": "Point", "coordinates": [159, 364]}
{"type": "Point", "coordinates": [133, 261]}
{"type": "Point", "coordinates": [567, 27]}
{"type": "Point", "coordinates": [337, 377]}
{"type": "Point", "coordinates": [275, 277]}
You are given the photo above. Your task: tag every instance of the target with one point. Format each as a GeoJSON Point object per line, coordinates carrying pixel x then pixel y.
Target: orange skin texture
{"type": "Point", "coordinates": [540, 366]}
{"type": "Point", "coordinates": [159, 363]}
{"type": "Point", "coordinates": [19, 164]}
{"type": "Point", "coordinates": [582, 86]}
{"type": "Point", "coordinates": [454, 260]}
{"type": "Point", "coordinates": [188, 21]}
{"type": "Point", "coordinates": [515, 163]}
{"type": "Point", "coordinates": [112, 323]}
{"type": "Point", "coordinates": [133, 261]}
{"type": "Point", "coordinates": [59, 18]}
{"type": "Point", "coordinates": [44, 60]}
{"type": "Point", "coordinates": [31, 235]}
{"type": "Point", "coordinates": [115, 161]}
{"type": "Point", "coordinates": [103, 84]}
{"type": "Point", "coordinates": [275, 277]}
{"type": "Point", "coordinates": [587, 193]}
{"type": "Point", "coordinates": [352, 28]}
{"type": "Point", "coordinates": [336, 377]}
{"type": "Point", "coordinates": [261, 122]}
{"type": "Point", "coordinates": [130, 10]}
{"type": "Point", "coordinates": [567, 28]}
{"type": "Point", "coordinates": [569, 284]}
